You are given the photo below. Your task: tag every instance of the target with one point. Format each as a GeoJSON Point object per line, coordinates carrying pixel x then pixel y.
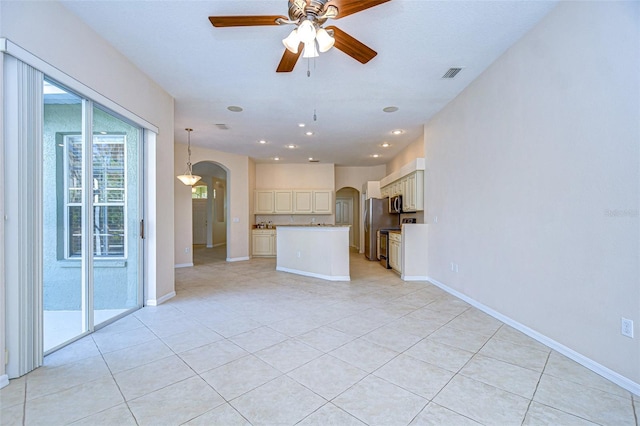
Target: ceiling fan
{"type": "Point", "coordinates": [309, 36]}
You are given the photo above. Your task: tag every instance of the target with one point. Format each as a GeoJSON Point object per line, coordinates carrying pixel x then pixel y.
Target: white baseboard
{"type": "Point", "coordinates": [314, 275]}
{"type": "Point", "coordinates": [414, 278]}
{"type": "Point", "coordinates": [597, 368]}
{"type": "Point", "coordinates": [4, 381]}
{"type": "Point", "coordinates": [156, 302]}
{"type": "Point", "coordinates": [183, 265]}
{"type": "Point", "coordinates": [237, 259]}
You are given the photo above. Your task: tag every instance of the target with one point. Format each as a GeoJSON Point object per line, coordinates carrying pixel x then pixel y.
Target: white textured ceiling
{"type": "Point", "coordinates": [207, 69]}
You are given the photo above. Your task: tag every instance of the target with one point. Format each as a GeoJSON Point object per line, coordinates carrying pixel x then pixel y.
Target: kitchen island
{"type": "Point", "coordinates": [320, 251]}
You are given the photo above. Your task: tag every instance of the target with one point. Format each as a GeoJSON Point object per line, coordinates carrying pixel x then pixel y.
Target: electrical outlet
{"type": "Point", "coordinates": [626, 327]}
{"type": "Point", "coordinates": [187, 250]}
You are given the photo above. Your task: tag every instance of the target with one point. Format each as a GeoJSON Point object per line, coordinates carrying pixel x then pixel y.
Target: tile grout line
{"type": "Point", "coordinates": [536, 389]}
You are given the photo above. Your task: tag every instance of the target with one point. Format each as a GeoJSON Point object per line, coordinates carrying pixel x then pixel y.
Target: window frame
{"type": "Point", "coordinates": [77, 138]}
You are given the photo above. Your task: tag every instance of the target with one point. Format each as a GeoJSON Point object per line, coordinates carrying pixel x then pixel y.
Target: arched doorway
{"type": "Point", "coordinates": [209, 213]}
{"type": "Point", "coordinates": [347, 208]}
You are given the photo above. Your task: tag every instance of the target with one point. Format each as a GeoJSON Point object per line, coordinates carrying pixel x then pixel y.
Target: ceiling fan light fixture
{"type": "Point", "coordinates": [306, 31]}
{"type": "Point", "coordinates": [325, 41]}
{"type": "Point", "coordinates": [310, 50]}
{"type": "Point", "coordinates": [292, 42]}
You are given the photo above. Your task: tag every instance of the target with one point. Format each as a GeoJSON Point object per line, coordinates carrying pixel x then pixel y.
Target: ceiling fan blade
{"type": "Point", "coordinates": [244, 21]}
{"type": "Point", "coordinates": [288, 61]}
{"type": "Point", "coordinates": [352, 47]}
{"type": "Point", "coordinates": [349, 7]}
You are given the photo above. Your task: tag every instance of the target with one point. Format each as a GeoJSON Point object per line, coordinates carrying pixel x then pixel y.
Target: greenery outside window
{"type": "Point", "coordinates": [199, 192]}
{"type": "Point", "coordinates": [108, 195]}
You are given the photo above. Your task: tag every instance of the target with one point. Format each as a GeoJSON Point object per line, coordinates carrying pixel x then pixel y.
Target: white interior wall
{"type": "Point", "coordinates": [295, 176]}
{"type": "Point", "coordinates": [533, 173]}
{"type": "Point", "coordinates": [239, 222]}
{"type": "Point", "coordinates": [412, 151]}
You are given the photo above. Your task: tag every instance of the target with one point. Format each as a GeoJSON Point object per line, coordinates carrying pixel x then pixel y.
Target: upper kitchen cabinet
{"type": "Point", "coordinates": [412, 192]}
{"type": "Point", "coordinates": [408, 182]}
{"type": "Point", "coordinates": [303, 202]}
{"type": "Point", "coordinates": [293, 201]}
{"type": "Point", "coordinates": [323, 201]}
{"type": "Point", "coordinates": [263, 201]}
{"type": "Point", "coordinates": [283, 201]}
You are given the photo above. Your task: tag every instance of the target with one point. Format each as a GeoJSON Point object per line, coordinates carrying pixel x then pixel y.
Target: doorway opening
{"type": "Point", "coordinates": [210, 213]}
{"type": "Point", "coordinates": [347, 206]}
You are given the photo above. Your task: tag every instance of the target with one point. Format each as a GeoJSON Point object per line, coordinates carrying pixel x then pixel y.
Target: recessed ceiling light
{"type": "Point", "coordinates": [309, 133]}
{"type": "Point", "coordinates": [301, 124]}
{"type": "Point", "coordinates": [310, 158]}
{"type": "Point", "coordinates": [276, 158]}
{"type": "Point", "coordinates": [291, 146]}
{"type": "Point", "coordinates": [385, 144]}
{"type": "Point", "coordinates": [234, 108]}
{"type": "Point", "coordinates": [376, 155]}
{"type": "Point", "coordinates": [390, 109]}
{"type": "Point", "coordinates": [397, 132]}
{"type": "Point", "coordinates": [262, 141]}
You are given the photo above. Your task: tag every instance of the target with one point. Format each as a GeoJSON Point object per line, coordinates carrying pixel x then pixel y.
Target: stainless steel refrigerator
{"type": "Point", "coordinates": [376, 216]}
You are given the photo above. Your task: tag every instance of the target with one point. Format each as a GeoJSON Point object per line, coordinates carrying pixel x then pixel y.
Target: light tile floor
{"type": "Point", "coordinates": [242, 344]}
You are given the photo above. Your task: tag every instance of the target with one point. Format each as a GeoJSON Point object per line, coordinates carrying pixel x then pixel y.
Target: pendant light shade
{"type": "Point", "coordinates": [188, 178]}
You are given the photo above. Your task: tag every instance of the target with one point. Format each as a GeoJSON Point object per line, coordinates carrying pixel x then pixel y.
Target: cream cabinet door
{"type": "Point", "coordinates": [264, 242]}
{"type": "Point", "coordinates": [263, 202]}
{"type": "Point", "coordinates": [323, 202]}
{"type": "Point", "coordinates": [283, 201]}
{"type": "Point", "coordinates": [409, 193]}
{"type": "Point", "coordinates": [303, 202]}
{"type": "Point", "coordinates": [395, 252]}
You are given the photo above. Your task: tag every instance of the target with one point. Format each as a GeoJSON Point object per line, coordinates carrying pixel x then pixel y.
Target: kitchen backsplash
{"type": "Point", "coordinates": [295, 219]}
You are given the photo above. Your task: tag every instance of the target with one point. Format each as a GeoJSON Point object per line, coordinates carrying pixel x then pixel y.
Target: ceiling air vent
{"type": "Point", "coordinates": [314, 161]}
{"type": "Point", "coordinates": [452, 72]}
{"type": "Point", "coordinates": [222, 126]}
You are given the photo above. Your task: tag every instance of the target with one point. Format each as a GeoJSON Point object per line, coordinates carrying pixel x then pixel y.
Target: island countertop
{"type": "Point", "coordinates": [320, 251]}
{"type": "Point", "coordinates": [313, 225]}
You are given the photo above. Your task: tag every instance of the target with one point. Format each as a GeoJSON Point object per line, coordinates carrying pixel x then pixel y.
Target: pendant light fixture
{"type": "Point", "coordinates": [188, 178]}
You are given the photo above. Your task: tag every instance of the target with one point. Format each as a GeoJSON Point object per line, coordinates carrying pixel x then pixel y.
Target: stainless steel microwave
{"type": "Point", "coordinates": [395, 204]}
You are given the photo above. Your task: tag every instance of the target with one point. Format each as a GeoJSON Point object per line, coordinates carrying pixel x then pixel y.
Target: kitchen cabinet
{"type": "Point", "coordinates": [263, 202]}
{"type": "Point", "coordinates": [323, 202]}
{"type": "Point", "coordinates": [264, 242]}
{"type": "Point", "coordinates": [283, 201]}
{"type": "Point", "coordinates": [302, 202]}
{"type": "Point", "coordinates": [411, 187]}
{"type": "Point", "coordinates": [296, 201]}
{"type": "Point", "coordinates": [395, 251]}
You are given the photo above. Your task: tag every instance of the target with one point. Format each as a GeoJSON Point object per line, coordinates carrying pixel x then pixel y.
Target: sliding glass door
{"type": "Point", "coordinates": [91, 216]}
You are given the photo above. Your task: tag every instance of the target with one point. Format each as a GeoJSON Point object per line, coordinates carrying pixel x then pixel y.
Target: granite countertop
{"type": "Point", "coordinates": [316, 225]}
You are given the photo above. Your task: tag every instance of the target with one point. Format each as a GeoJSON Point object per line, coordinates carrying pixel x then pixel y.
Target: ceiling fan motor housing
{"type": "Point", "coordinates": [310, 9]}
